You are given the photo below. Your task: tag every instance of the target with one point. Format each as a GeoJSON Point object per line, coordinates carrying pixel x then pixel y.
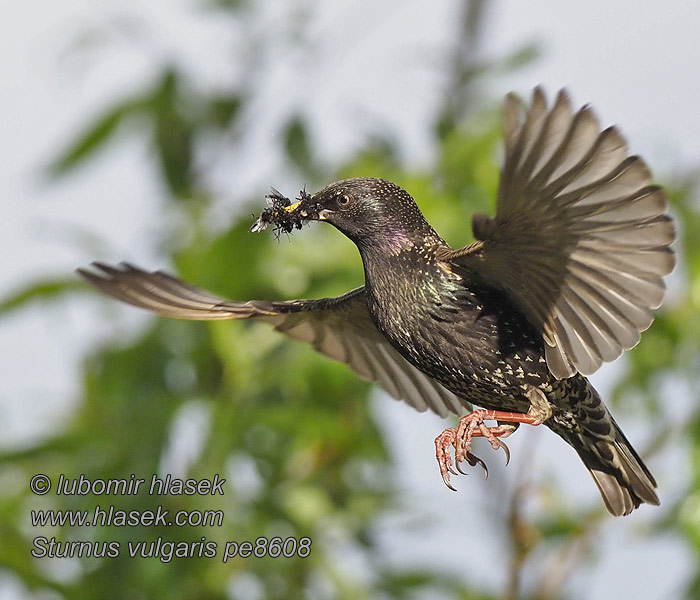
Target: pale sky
{"type": "Point", "coordinates": [635, 62]}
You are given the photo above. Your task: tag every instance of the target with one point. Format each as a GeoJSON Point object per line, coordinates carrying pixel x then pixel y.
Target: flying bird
{"type": "Point", "coordinates": [561, 280]}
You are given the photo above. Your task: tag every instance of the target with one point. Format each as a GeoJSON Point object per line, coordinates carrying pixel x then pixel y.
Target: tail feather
{"type": "Point", "coordinates": [620, 474]}
{"type": "Point", "coordinates": [622, 478]}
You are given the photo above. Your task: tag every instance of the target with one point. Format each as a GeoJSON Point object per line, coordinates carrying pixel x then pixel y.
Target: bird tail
{"type": "Point", "coordinates": [620, 474]}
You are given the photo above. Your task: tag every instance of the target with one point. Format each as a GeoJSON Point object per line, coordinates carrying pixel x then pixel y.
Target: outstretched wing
{"type": "Point", "coordinates": [581, 238]}
{"type": "Point", "coordinates": [340, 327]}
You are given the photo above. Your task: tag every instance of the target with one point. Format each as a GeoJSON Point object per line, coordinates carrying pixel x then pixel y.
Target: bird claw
{"type": "Point", "coordinates": [460, 439]}
{"type": "Point", "coordinates": [474, 460]}
{"type": "Point", "coordinates": [506, 450]}
{"type": "Point", "coordinates": [446, 479]}
{"type": "Point", "coordinates": [443, 442]}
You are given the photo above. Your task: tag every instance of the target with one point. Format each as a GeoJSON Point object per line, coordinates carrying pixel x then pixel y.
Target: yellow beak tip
{"type": "Point", "coordinates": [292, 207]}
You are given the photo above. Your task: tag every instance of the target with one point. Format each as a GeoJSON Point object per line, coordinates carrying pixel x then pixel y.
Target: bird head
{"type": "Point", "coordinates": [371, 212]}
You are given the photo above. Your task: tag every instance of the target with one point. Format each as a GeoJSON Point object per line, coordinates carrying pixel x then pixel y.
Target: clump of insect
{"type": "Point", "coordinates": [284, 215]}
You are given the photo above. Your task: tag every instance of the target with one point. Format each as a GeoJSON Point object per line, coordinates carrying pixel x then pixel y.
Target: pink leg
{"type": "Point", "coordinates": [470, 426]}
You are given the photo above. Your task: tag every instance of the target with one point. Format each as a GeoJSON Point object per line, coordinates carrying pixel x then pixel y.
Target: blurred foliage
{"type": "Point", "coordinates": [291, 431]}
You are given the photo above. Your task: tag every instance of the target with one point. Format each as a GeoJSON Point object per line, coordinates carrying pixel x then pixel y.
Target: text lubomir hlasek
{"type": "Point", "coordinates": [168, 485]}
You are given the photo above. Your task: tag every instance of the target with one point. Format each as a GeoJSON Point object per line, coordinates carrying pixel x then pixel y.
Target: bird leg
{"type": "Point", "coordinates": [470, 426]}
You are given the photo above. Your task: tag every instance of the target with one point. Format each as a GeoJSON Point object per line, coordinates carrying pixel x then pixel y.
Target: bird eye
{"type": "Point", "coordinates": [344, 200]}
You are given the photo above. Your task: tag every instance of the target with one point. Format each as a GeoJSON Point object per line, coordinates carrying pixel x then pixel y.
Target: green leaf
{"type": "Point", "coordinates": [523, 56]}
{"type": "Point", "coordinates": [222, 110]}
{"type": "Point", "coordinates": [297, 148]}
{"type": "Point", "coordinates": [173, 134]}
{"type": "Point", "coordinates": [48, 289]}
{"type": "Point", "coordinates": [94, 137]}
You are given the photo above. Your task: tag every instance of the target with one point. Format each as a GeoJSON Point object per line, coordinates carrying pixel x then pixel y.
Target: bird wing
{"type": "Point", "coordinates": [580, 241]}
{"type": "Point", "coordinates": [339, 327]}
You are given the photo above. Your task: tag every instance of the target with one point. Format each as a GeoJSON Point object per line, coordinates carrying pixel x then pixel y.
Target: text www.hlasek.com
{"type": "Point", "coordinates": [109, 515]}
{"type": "Point", "coordinates": [165, 550]}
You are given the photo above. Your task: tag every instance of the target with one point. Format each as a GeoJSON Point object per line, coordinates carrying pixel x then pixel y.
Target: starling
{"type": "Point", "coordinates": [562, 279]}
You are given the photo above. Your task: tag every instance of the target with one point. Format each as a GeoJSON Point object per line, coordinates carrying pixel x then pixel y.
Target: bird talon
{"type": "Point", "coordinates": [506, 450]}
{"type": "Point", "coordinates": [470, 426]}
{"type": "Point", "coordinates": [443, 445]}
{"type": "Point", "coordinates": [475, 460]}
{"type": "Point", "coordinates": [446, 480]}
{"type": "Point", "coordinates": [460, 469]}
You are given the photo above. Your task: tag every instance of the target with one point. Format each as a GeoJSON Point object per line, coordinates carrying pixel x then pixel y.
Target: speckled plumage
{"type": "Point", "coordinates": [441, 315]}
{"type": "Point", "coordinates": [562, 279]}
{"type": "Point", "coordinates": [465, 335]}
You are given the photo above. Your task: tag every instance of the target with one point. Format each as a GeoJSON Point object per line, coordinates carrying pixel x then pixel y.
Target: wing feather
{"type": "Point", "coordinates": [581, 238]}
{"type": "Point", "coordinates": [339, 328]}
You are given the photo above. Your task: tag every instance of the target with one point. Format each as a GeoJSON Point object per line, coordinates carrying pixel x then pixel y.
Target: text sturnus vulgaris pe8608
{"type": "Point", "coordinates": [562, 279]}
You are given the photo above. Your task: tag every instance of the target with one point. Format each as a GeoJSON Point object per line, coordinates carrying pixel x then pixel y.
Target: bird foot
{"type": "Point", "coordinates": [470, 426]}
